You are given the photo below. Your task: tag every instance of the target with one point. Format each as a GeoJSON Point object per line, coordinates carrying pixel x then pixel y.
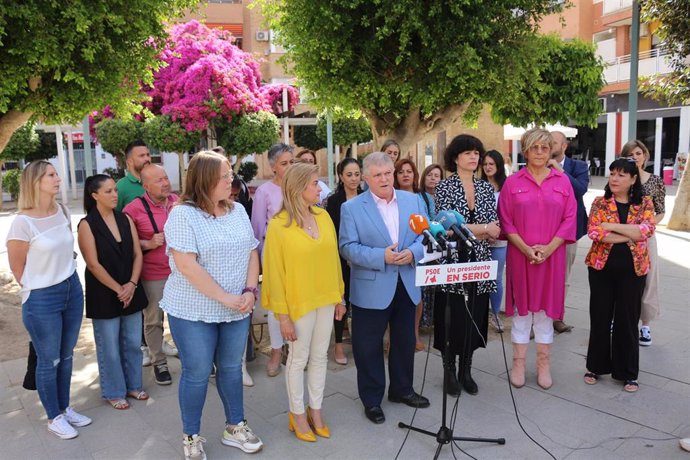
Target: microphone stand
{"type": "Point", "coordinates": [444, 435]}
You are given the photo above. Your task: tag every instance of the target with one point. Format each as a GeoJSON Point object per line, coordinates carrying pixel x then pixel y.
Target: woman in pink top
{"type": "Point", "coordinates": [537, 210]}
{"type": "Point", "coordinates": [268, 199]}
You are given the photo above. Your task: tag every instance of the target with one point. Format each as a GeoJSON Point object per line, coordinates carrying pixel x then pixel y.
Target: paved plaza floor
{"type": "Point", "coordinates": [571, 420]}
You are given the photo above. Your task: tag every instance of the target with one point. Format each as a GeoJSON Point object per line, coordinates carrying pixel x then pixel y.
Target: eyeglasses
{"type": "Point", "coordinates": [227, 176]}
{"type": "Point", "coordinates": [540, 148]}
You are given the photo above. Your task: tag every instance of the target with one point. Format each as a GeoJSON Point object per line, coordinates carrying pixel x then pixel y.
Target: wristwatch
{"type": "Point", "coordinates": [253, 290]}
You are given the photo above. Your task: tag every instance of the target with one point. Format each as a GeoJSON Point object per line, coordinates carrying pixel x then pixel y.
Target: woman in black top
{"type": "Point", "coordinates": [110, 245]}
{"type": "Point", "coordinates": [474, 199]}
{"type": "Point", "coordinates": [350, 179]}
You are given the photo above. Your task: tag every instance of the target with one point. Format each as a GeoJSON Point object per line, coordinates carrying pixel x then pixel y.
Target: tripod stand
{"type": "Point", "coordinates": [444, 435]}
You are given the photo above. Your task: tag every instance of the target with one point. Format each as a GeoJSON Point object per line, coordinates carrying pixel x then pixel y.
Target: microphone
{"type": "Point", "coordinates": [449, 222]}
{"type": "Point", "coordinates": [439, 234]}
{"type": "Point", "coordinates": [463, 226]}
{"type": "Point", "coordinates": [420, 226]}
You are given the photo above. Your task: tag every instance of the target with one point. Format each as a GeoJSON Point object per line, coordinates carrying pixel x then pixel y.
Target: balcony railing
{"type": "Point", "coordinates": [611, 6]}
{"type": "Point", "coordinates": [652, 62]}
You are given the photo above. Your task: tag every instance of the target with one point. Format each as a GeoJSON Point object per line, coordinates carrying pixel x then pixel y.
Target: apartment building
{"type": "Point", "coordinates": [607, 24]}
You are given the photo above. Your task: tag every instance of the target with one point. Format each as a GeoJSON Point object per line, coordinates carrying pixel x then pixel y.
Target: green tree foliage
{"type": "Point", "coordinates": [168, 136]}
{"type": "Point", "coordinates": [674, 30]}
{"type": "Point", "coordinates": [247, 171]}
{"type": "Point", "coordinates": [305, 136]}
{"type": "Point", "coordinates": [348, 127]}
{"type": "Point", "coordinates": [114, 134]}
{"type": "Point", "coordinates": [47, 147]}
{"type": "Point", "coordinates": [250, 133]}
{"type": "Point", "coordinates": [10, 182]}
{"type": "Point", "coordinates": [413, 68]}
{"type": "Point", "coordinates": [23, 142]}
{"type": "Point", "coordinates": [60, 60]}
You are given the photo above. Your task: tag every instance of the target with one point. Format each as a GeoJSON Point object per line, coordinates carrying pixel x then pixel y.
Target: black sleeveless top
{"type": "Point", "coordinates": [117, 259]}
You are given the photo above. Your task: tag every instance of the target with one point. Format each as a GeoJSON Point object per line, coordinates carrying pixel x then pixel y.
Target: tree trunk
{"type": "Point", "coordinates": [410, 130]}
{"type": "Point", "coordinates": [183, 171]}
{"type": "Point", "coordinates": [680, 217]}
{"type": "Point", "coordinates": [2, 201]}
{"type": "Point", "coordinates": [9, 123]}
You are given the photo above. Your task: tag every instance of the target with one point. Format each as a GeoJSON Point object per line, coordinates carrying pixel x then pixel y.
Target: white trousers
{"type": "Point", "coordinates": [274, 331]}
{"type": "Point", "coordinates": [313, 338]}
{"type": "Point", "coordinates": [651, 307]}
{"type": "Point", "coordinates": [543, 328]}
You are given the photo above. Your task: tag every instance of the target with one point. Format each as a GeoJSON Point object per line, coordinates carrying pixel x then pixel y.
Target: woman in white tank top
{"type": "Point", "coordinates": [40, 247]}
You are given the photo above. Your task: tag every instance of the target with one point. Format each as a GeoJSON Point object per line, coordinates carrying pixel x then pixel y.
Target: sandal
{"type": "Point", "coordinates": [119, 404]}
{"type": "Point", "coordinates": [138, 395]}
{"type": "Point", "coordinates": [631, 386]}
{"type": "Point", "coordinates": [591, 378]}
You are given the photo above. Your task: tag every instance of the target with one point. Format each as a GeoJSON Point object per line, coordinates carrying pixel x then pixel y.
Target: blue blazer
{"type": "Point", "coordinates": [363, 240]}
{"type": "Point", "coordinates": [578, 173]}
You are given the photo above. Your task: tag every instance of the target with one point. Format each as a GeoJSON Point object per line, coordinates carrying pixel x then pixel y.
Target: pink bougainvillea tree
{"type": "Point", "coordinates": [204, 77]}
{"type": "Point", "coordinates": [272, 95]}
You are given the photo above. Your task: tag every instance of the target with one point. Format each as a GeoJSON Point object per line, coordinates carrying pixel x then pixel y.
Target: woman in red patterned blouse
{"type": "Point", "coordinates": [618, 264]}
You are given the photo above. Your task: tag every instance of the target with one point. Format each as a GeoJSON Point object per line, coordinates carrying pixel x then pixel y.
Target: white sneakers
{"type": "Point", "coordinates": [242, 437]}
{"type": "Point", "coordinates": [194, 447]}
{"type": "Point", "coordinates": [146, 360]}
{"type": "Point", "coordinates": [63, 425]}
{"type": "Point", "coordinates": [169, 349]}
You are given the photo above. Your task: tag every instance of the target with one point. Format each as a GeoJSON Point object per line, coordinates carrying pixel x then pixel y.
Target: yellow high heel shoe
{"type": "Point", "coordinates": [324, 432]}
{"type": "Point", "coordinates": [307, 437]}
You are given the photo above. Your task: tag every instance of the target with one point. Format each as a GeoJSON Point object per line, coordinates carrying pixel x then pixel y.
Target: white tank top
{"type": "Point", "coordinates": [50, 259]}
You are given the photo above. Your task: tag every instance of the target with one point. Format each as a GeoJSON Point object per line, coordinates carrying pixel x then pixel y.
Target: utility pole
{"type": "Point", "coordinates": [634, 61]}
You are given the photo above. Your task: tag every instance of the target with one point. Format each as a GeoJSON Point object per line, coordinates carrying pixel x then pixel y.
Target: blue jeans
{"type": "Point", "coordinates": [200, 345]}
{"type": "Point", "coordinates": [52, 316]}
{"type": "Point", "coordinates": [118, 349]}
{"type": "Point", "coordinates": [498, 254]}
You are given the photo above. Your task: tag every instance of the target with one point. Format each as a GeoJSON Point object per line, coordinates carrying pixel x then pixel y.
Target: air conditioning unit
{"type": "Point", "coordinates": [262, 36]}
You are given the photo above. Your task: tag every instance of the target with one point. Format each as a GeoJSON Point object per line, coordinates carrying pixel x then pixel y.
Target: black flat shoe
{"type": "Point", "coordinates": [412, 400]}
{"type": "Point", "coordinates": [375, 414]}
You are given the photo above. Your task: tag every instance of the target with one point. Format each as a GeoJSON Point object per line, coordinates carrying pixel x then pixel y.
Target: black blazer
{"type": "Point", "coordinates": [117, 259]}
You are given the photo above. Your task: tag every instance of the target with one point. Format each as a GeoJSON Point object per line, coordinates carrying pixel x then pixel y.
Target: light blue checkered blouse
{"type": "Point", "coordinates": [222, 245]}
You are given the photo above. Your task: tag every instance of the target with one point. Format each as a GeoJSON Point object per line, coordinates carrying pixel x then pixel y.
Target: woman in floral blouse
{"type": "Point", "coordinates": [653, 187]}
{"type": "Point", "coordinates": [618, 264]}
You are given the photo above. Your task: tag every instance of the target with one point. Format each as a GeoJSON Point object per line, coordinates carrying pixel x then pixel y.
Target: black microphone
{"type": "Point", "coordinates": [461, 224]}
{"type": "Point", "coordinates": [449, 222]}
{"type": "Point", "coordinates": [420, 226]}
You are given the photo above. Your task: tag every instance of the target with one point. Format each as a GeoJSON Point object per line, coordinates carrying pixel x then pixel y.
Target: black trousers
{"type": "Point", "coordinates": [615, 294]}
{"type": "Point", "coordinates": [465, 337]}
{"type": "Point", "coordinates": [368, 328]}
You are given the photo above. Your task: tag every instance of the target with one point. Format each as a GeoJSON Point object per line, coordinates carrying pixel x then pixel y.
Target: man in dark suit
{"type": "Point", "coordinates": [376, 240]}
{"type": "Point", "coordinates": [578, 173]}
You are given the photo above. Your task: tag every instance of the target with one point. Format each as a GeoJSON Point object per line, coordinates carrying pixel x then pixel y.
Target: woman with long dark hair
{"type": "Point", "coordinates": [474, 199]}
{"type": "Point", "coordinates": [40, 249]}
{"type": "Point", "coordinates": [349, 186]}
{"type": "Point", "coordinates": [620, 225]}
{"type": "Point", "coordinates": [109, 242]}
{"type": "Point", "coordinates": [493, 171]}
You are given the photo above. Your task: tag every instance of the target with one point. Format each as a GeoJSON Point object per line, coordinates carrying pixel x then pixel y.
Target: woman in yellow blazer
{"type": "Point", "coordinates": [303, 286]}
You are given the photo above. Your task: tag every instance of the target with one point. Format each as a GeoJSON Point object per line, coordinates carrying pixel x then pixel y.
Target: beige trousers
{"type": "Point", "coordinates": [153, 320]}
{"type": "Point", "coordinates": [313, 338]}
{"type": "Point", "coordinates": [651, 306]}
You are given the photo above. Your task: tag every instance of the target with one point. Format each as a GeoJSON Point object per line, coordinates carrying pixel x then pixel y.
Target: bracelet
{"type": "Point", "coordinates": [253, 290]}
{"type": "Point", "coordinates": [135, 284]}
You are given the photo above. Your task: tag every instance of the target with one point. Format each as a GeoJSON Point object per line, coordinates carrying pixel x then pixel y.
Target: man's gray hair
{"type": "Point", "coordinates": [376, 159]}
{"type": "Point", "coordinates": [276, 150]}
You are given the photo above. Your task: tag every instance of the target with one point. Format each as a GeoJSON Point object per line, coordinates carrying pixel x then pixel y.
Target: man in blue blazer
{"type": "Point", "coordinates": [578, 173]}
{"type": "Point", "coordinates": [376, 240]}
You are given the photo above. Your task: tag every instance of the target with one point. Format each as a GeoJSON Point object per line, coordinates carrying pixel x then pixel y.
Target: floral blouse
{"type": "Point", "coordinates": [656, 190]}
{"type": "Point", "coordinates": [450, 195]}
{"type": "Point", "coordinates": [604, 210]}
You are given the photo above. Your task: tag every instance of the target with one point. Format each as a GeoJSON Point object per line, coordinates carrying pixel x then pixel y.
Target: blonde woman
{"type": "Point", "coordinates": [303, 286]}
{"type": "Point", "coordinates": [653, 187]}
{"type": "Point", "coordinates": [40, 248]}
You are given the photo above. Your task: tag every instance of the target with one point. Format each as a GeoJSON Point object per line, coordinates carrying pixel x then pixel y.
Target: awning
{"type": "Point", "coordinates": [235, 29]}
{"type": "Point", "coordinates": [512, 133]}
